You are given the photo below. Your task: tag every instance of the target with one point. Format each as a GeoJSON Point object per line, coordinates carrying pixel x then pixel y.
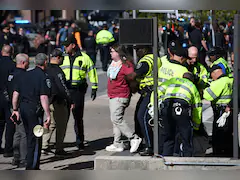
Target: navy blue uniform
{"type": "Point", "coordinates": [32, 85]}
{"type": "Point", "coordinates": [141, 117]}
{"type": "Point", "coordinates": [20, 139]}
{"type": "Point", "coordinates": [6, 67]}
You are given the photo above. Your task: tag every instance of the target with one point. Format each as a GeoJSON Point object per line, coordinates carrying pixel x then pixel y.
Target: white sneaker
{"type": "Point", "coordinates": [114, 148]}
{"type": "Point", "coordinates": [135, 144]}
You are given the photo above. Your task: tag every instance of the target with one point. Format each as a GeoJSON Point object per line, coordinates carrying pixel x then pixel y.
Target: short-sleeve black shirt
{"type": "Point", "coordinates": [34, 84]}
{"type": "Point", "coordinates": [196, 37]}
{"type": "Point", "coordinates": [13, 80]}
{"type": "Point", "coordinates": [6, 67]}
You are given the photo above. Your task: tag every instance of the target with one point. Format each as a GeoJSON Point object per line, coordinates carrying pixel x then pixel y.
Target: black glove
{"type": "Point", "coordinates": [94, 94]}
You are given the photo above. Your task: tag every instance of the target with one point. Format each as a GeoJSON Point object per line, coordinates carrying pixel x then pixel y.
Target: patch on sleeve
{"type": "Point", "coordinates": [10, 77]}
{"type": "Point", "coordinates": [139, 65]}
{"type": "Point", "coordinates": [48, 82]}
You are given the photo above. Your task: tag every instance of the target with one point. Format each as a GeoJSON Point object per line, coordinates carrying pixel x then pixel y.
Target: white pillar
{"type": "Point", "coordinates": [64, 14]}
{"type": "Point", "coordinates": [77, 14]}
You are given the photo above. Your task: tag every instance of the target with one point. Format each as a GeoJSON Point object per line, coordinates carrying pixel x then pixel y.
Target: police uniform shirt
{"type": "Point", "coordinates": [6, 67]}
{"type": "Point", "coordinates": [33, 84]}
{"type": "Point", "coordinates": [142, 69]}
{"type": "Point", "coordinates": [59, 89]}
{"type": "Point", "coordinates": [13, 80]}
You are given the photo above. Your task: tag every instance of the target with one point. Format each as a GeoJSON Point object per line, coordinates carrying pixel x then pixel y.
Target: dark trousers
{"type": "Point", "coordinates": [20, 143]}
{"type": "Point", "coordinates": [78, 99]}
{"type": "Point", "coordinates": [222, 138]}
{"type": "Point", "coordinates": [143, 118]}
{"type": "Point", "coordinates": [34, 144]}
{"type": "Point", "coordinates": [105, 56]}
{"type": "Point", "coordinates": [175, 124]}
{"type": "Point", "coordinates": [92, 55]}
{"type": "Point", "coordinates": [5, 114]}
{"type": "Point", "coordinates": [137, 126]}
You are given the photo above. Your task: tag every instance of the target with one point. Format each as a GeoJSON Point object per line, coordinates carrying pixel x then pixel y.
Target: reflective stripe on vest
{"type": "Point", "coordinates": [148, 80]}
{"type": "Point", "coordinates": [211, 93]}
{"type": "Point", "coordinates": [197, 105]}
{"type": "Point", "coordinates": [74, 67]}
{"type": "Point", "coordinates": [162, 79]}
{"type": "Point", "coordinates": [176, 95]}
{"type": "Point", "coordinates": [181, 86]}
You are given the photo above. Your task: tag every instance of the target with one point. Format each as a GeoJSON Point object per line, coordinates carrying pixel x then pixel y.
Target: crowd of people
{"type": "Point", "coordinates": [57, 86]}
{"type": "Point", "coordinates": [185, 79]}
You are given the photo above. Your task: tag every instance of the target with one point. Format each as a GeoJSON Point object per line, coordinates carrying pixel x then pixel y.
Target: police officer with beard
{"type": "Point", "coordinates": [59, 103]}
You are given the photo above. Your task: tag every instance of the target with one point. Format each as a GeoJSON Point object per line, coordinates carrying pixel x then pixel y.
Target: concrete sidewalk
{"type": "Point", "coordinates": [98, 133]}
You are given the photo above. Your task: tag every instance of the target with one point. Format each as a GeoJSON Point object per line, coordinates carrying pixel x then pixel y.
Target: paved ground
{"type": "Point", "coordinates": [98, 133]}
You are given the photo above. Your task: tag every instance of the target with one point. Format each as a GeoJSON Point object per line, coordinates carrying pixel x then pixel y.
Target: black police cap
{"type": "Point", "coordinates": [70, 40]}
{"type": "Point", "coordinates": [214, 67]}
{"type": "Point", "coordinates": [215, 51]}
{"type": "Point", "coordinates": [172, 46]}
{"type": "Point", "coordinates": [57, 52]}
{"type": "Point", "coordinates": [180, 51]}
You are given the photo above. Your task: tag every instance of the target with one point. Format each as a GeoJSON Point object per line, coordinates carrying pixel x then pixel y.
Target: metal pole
{"type": "Point", "coordinates": [166, 35]}
{"type": "Point", "coordinates": [213, 33]}
{"type": "Point", "coordinates": [134, 50]}
{"type": "Point", "coordinates": [155, 86]}
{"type": "Point", "coordinates": [235, 89]}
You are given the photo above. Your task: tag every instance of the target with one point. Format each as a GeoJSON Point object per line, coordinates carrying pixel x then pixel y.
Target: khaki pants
{"type": "Point", "coordinates": [59, 119]}
{"type": "Point", "coordinates": [117, 109]}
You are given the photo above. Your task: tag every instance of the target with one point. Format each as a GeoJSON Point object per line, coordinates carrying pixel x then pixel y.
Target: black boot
{"type": "Point", "coordinates": [146, 152]}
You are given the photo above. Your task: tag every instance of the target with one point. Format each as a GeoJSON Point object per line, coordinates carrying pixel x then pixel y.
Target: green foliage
{"type": "Point", "coordinates": [202, 15]}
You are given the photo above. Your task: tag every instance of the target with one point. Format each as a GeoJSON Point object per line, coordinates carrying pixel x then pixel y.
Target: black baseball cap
{"type": "Point", "coordinates": [180, 51]}
{"type": "Point", "coordinates": [175, 47]}
{"type": "Point", "coordinates": [215, 51]}
{"type": "Point", "coordinates": [57, 52]}
{"type": "Point", "coordinates": [172, 46]}
{"type": "Point", "coordinates": [70, 40]}
{"type": "Point", "coordinates": [214, 67]}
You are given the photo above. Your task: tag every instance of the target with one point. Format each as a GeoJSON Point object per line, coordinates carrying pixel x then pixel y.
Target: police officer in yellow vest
{"type": "Point", "coordinates": [104, 39]}
{"type": "Point", "coordinates": [181, 111]}
{"type": "Point", "coordinates": [216, 57]}
{"type": "Point", "coordinates": [175, 66]}
{"type": "Point", "coordinates": [169, 69]}
{"type": "Point", "coordinates": [170, 53]}
{"type": "Point", "coordinates": [220, 94]}
{"type": "Point", "coordinates": [144, 75]}
{"type": "Point", "coordinates": [76, 65]}
{"type": "Point", "coordinates": [199, 71]}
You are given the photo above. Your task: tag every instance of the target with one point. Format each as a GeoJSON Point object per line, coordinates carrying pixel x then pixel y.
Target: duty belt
{"type": "Point", "coordinates": [146, 90]}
